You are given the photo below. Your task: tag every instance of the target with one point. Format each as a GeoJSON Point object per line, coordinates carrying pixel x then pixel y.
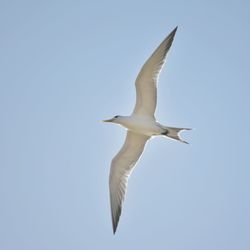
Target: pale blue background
{"type": "Point", "coordinates": [66, 65]}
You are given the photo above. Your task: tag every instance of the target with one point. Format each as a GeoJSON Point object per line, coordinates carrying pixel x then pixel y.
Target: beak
{"type": "Point", "coordinates": [110, 120]}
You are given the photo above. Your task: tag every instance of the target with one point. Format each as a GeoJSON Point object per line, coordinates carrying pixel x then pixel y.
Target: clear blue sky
{"type": "Point", "coordinates": [66, 65]}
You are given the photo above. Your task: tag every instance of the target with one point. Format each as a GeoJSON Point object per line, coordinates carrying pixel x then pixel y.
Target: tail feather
{"type": "Point", "coordinates": [173, 133]}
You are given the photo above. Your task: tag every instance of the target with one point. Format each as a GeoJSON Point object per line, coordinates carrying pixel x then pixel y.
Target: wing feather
{"type": "Point", "coordinates": [121, 167]}
{"type": "Point", "coordinates": [146, 81]}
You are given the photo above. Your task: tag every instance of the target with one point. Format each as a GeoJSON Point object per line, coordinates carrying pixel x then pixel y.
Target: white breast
{"type": "Point", "coordinates": [142, 125]}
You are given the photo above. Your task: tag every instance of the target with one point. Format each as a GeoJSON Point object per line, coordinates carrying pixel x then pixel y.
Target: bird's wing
{"type": "Point", "coordinates": [121, 167]}
{"type": "Point", "coordinates": [146, 81]}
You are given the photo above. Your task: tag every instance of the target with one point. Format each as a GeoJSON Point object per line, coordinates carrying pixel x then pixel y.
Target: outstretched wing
{"type": "Point", "coordinates": [146, 81]}
{"type": "Point", "coordinates": [121, 167]}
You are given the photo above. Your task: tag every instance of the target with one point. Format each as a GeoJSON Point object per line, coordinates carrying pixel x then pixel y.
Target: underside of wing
{"type": "Point", "coordinates": [121, 167]}
{"type": "Point", "coordinates": [146, 82]}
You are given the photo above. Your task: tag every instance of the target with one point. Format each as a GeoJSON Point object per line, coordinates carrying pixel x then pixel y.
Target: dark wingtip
{"type": "Point", "coordinates": [172, 35]}
{"type": "Point", "coordinates": [174, 30]}
{"type": "Point", "coordinates": [115, 219]}
{"type": "Point", "coordinates": [114, 227]}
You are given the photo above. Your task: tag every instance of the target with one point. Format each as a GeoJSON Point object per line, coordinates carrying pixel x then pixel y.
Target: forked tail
{"type": "Point", "coordinates": [174, 133]}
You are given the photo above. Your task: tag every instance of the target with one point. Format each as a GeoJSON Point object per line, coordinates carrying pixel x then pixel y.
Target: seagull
{"type": "Point", "coordinates": [141, 125]}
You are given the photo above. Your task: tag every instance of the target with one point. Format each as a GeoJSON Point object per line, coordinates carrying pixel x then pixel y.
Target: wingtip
{"type": "Point", "coordinates": [114, 227]}
{"type": "Point", "coordinates": [175, 29]}
{"type": "Point", "coordinates": [115, 220]}
{"type": "Point", "coordinates": [172, 34]}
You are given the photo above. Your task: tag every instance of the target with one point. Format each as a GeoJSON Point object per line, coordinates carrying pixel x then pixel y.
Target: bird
{"type": "Point", "coordinates": [141, 125]}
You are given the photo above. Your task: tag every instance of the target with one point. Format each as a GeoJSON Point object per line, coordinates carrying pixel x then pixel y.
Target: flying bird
{"type": "Point", "coordinates": [141, 125]}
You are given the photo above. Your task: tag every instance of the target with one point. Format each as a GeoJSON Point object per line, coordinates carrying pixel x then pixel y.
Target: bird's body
{"type": "Point", "coordinates": [141, 126]}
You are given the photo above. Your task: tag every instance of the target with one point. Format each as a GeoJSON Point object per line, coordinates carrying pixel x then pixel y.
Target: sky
{"type": "Point", "coordinates": [67, 65]}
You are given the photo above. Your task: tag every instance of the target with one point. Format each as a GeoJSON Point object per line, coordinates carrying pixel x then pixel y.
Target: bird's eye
{"type": "Point", "coordinates": [116, 116]}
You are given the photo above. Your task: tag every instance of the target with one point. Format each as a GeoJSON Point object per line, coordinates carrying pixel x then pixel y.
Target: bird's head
{"type": "Point", "coordinates": [115, 119]}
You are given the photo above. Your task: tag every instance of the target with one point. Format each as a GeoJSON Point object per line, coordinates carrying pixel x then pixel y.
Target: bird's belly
{"type": "Point", "coordinates": [145, 128]}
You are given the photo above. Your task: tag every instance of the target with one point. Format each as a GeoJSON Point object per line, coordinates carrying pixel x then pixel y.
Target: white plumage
{"type": "Point", "coordinates": [141, 125]}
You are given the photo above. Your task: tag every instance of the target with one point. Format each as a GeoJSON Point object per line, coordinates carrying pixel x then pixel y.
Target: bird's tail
{"type": "Point", "coordinates": [174, 133]}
